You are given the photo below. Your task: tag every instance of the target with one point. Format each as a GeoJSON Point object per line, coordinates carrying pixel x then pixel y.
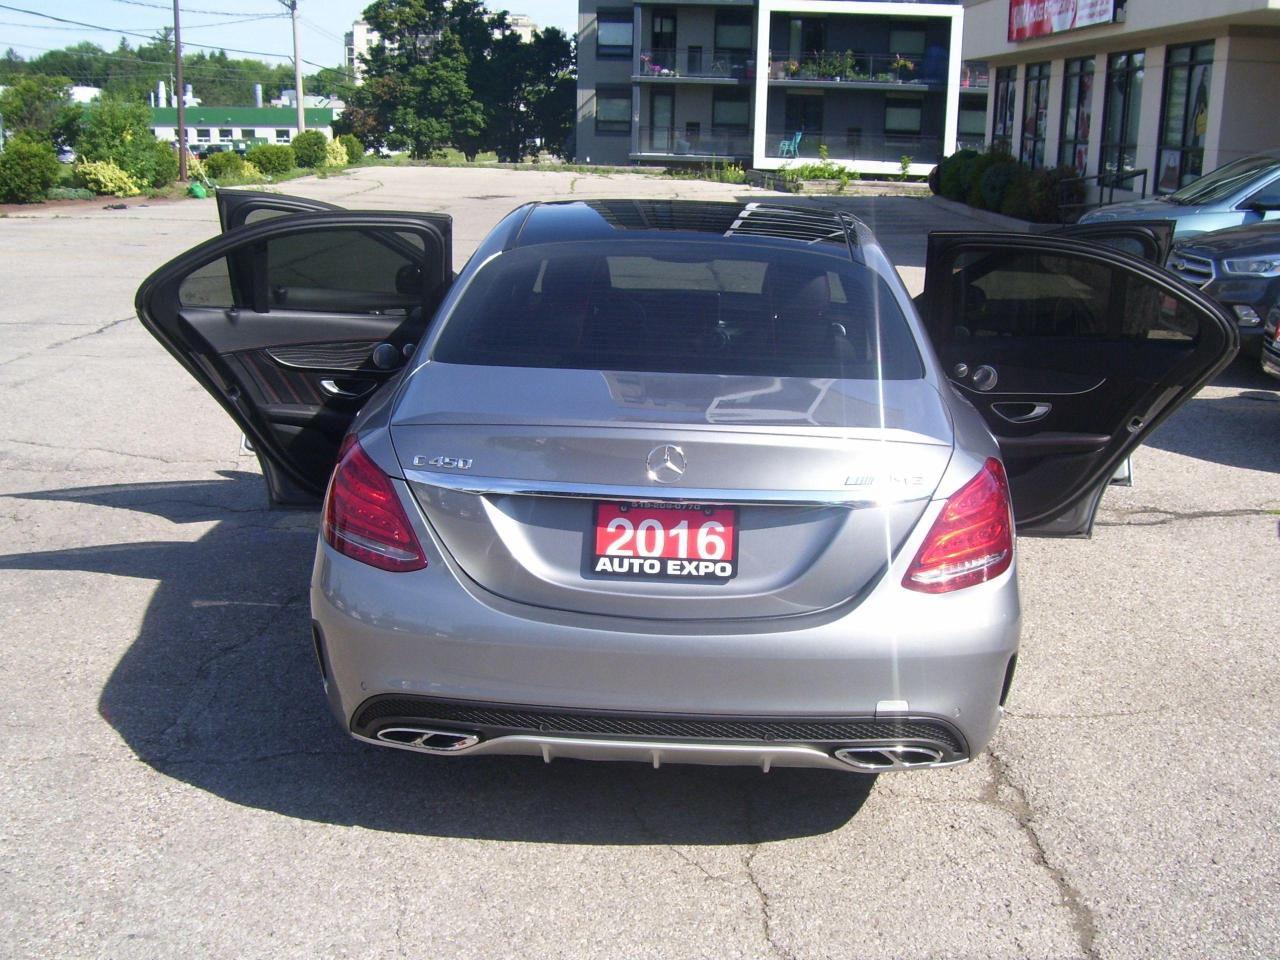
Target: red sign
{"type": "Point", "coordinates": [677, 541]}
{"type": "Point", "coordinates": [1040, 18]}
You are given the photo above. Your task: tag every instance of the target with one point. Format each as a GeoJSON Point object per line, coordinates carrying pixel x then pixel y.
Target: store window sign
{"type": "Point", "coordinates": [1040, 18]}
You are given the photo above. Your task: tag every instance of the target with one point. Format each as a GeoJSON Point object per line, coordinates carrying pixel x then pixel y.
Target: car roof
{"type": "Point", "coordinates": [759, 223]}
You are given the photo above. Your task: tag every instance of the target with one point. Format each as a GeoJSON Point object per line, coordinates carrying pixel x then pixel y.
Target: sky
{"type": "Point", "coordinates": [323, 22]}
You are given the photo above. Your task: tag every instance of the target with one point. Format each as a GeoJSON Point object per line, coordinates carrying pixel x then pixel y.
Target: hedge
{"type": "Point", "coordinates": [354, 148]}
{"type": "Point", "coordinates": [995, 181]}
{"type": "Point", "coordinates": [224, 164]}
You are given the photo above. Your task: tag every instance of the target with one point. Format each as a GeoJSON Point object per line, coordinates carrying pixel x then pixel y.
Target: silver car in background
{"type": "Point", "coordinates": [676, 482]}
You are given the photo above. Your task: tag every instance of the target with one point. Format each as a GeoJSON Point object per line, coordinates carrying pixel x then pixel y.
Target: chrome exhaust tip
{"type": "Point", "coordinates": [427, 739]}
{"type": "Point", "coordinates": [893, 757]}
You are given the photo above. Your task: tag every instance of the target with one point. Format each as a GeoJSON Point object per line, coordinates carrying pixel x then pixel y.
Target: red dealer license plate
{"type": "Point", "coordinates": [685, 542]}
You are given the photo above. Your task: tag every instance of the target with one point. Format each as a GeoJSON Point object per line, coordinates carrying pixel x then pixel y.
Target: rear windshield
{"type": "Point", "coordinates": [681, 307]}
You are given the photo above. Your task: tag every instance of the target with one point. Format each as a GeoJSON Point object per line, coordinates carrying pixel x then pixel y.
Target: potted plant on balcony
{"type": "Point", "coordinates": [902, 67]}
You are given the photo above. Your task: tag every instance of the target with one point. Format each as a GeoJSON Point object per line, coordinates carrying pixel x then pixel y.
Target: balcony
{"type": "Point", "coordinates": [695, 64]}
{"type": "Point", "coordinates": [854, 68]}
{"type": "Point", "coordinates": [669, 143]}
{"type": "Point", "coordinates": [853, 145]}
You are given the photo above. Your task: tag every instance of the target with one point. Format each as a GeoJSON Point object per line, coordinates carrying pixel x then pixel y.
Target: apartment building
{"type": "Point", "coordinates": [770, 83]}
{"type": "Point", "coordinates": [1140, 96]}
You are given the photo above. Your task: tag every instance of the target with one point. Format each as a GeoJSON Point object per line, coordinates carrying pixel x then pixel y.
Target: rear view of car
{"type": "Point", "coordinates": [678, 484]}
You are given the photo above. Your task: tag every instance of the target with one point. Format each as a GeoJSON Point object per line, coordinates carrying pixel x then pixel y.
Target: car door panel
{"type": "Point", "coordinates": [1071, 352]}
{"type": "Point", "coordinates": [293, 323]}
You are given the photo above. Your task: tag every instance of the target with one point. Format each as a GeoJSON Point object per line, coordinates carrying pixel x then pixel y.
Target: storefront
{"type": "Point", "coordinates": [1140, 96]}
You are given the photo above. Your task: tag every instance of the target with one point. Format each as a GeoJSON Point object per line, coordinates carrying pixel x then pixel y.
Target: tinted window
{"type": "Point", "coordinates": [345, 270]}
{"type": "Point", "coordinates": [209, 286]}
{"type": "Point", "coordinates": [1033, 295]}
{"type": "Point", "coordinates": [681, 307]}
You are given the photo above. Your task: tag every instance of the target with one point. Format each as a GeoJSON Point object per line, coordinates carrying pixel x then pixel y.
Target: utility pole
{"type": "Point", "coordinates": [297, 63]}
{"type": "Point", "coordinates": [181, 93]}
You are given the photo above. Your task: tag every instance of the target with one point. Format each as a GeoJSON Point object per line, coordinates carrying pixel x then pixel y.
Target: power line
{"type": "Point", "coordinates": [165, 6]}
{"type": "Point", "coordinates": [165, 26]}
{"type": "Point", "coordinates": [143, 36]}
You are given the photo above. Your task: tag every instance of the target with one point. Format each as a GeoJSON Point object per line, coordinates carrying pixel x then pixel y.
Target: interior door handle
{"type": "Point", "coordinates": [331, 387]}
{"type": "Point", "coordinates": [1021, 412]}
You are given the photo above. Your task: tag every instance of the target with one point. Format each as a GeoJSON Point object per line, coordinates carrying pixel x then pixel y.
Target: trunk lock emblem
{"type": "Point", "coordinates": [666, 463]}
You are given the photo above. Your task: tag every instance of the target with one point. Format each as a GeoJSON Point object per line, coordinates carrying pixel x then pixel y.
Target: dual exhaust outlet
{"type": "Point", "coordinates": [866, 759]}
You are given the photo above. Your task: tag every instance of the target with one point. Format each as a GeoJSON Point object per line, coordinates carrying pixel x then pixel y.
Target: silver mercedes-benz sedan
{"type": "Point", "coordinates": [677, 482]}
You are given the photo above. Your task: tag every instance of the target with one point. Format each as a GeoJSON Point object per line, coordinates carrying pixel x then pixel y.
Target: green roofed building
{"type": "Point", "coordinates": [226, 127]}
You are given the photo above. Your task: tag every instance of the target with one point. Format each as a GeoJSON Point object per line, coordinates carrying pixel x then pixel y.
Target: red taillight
{"type": "Point", "coordinates": [972, 539]}
{"type": "Point", "coordinates": [363, 517]}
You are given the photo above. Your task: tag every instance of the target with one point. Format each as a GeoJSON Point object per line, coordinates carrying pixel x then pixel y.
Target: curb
{"type": "Point", "coordinates": [984, 216]}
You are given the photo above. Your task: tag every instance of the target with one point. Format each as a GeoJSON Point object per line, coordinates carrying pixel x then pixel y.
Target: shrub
{"type": "Point", "coordinates": [104, 177]}
{"type": "Point", "coordinates": [978, 169]}
{"type": "Point", "coordinates": [27, 170]}
{"type": "Point", "coordinates": [226, 164]}
{"type": "Point", "coordinates": [1020, 195]}
{"type": "Point", "coordinates": [248, 174]}
{"type": "Point", "coordinates": [955, 175]}
{"type": "Point", "coordinates": [273, 158]}
{"type": "Point", "coordinates": [117, 132]}
{"type": "Point", "coordinates": [996, 181]}
{"type": "Point", "coordinates": [164, 167]}
{"type": "Point", "coordinates": [335, 154]}
{"type": "Point", "coordinates": [70, 193]}
{"type": "Point", "coordinates": [309, 148]}
{"type": "Point", "coordinates": [196, 169]}
{"type": "Point", "coordinates": [354, 148]}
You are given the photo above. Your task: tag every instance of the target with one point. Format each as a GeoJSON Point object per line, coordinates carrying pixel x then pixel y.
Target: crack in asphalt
{"type": "Point", "coordinates": [749, 868]}
{"type": "Point", "coordinates": [1177, 516]}
{"type": "Point", "coordinates": [1083, 921]}
{"type": "Point", "coordinates": [648, 830]}
{"type": "Point", "coordinates": [118, 453]}
{"type": "Point", "coordinates": [201, 689]}
{"type": "Point", "coordinates": [62, 343]}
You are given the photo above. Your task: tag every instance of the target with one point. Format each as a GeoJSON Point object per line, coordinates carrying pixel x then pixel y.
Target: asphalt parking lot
{"type": "Point", "coordinates": [173, 785]}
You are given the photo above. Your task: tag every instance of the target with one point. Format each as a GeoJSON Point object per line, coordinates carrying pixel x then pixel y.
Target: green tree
{"type": "Point", "coordinates": [412, 101]}
{"type": "Point", "coordinates": [40, 107]}
{"type": "Point", "coordinates": [28, 168]}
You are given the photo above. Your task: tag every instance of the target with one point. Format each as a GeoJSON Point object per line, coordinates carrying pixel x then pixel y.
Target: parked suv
{"type": "Point", "coordinates": [1244, 191]}
{"type": "Point", "coordinates": [1240, 268]}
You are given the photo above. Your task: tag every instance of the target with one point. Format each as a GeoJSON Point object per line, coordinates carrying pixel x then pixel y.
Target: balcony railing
{"type": "Point", "coordinates": [714, 142]}
{"type": "Point", "coordinates": [853, 66]}
{"type": "Point", "coordinates": [699, 62]}
{"type": "Point", "coordinates": [975, 75]}
{"type": "Point", "coordinates": [882, 147]}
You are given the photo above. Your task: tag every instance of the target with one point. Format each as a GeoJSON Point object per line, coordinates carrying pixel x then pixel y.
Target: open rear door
{"type": "Point", "coordinates": [1072, 353]}
{"type": "Point", "coordinates": [292, 323]}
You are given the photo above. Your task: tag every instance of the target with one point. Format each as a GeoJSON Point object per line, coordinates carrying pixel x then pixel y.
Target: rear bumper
{"type": "Point", "coordinates": [436, 635]}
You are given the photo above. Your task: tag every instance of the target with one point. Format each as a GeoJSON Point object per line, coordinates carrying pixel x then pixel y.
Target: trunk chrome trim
{"type": "Point", "coordinates": [499, 486]}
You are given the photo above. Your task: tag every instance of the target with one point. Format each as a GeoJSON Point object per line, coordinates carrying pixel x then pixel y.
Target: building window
{"type": "Point", "coordinates": [202, 135]}
{"type": "Point", "coordinates": [246, 134]}
{"type": "Point", "coordinates": [730, 112]}
{"type": "Point", "coordinates": [903, 117]}
{"type": "Point", "coordinates": [1077, 109]}
{"type": "Point", "coordinates": [664, 33]}
{"type": "Point", "coordinates": [282, 136]}
{"type": "Point", "coordinates": [1120, 114]}
{"type": "Point", "coordinates": [1002, 119]}
{"type": "Point", "coordinates": [1035, 114]}
{"type": "Point", "coordinates": [613, 35]}
{"type": "Point", "coordinates": [1187, 70]}
{"type": "Point", "coordinates": [613, 110]}
{"type": "Point", "coordinates": [733, 41]}
{"type": "Point", "coordinates": [226, 133]}
{"type": "Point", "coordinates": [906, 43]}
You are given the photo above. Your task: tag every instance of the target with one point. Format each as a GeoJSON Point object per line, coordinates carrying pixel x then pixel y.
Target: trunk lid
{"type": "Point", "coordinates": [827, 478]}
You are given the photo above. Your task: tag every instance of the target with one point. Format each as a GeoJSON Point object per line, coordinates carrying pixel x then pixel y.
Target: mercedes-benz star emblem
{"type": "Point", "coordinates": [666, 463]}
